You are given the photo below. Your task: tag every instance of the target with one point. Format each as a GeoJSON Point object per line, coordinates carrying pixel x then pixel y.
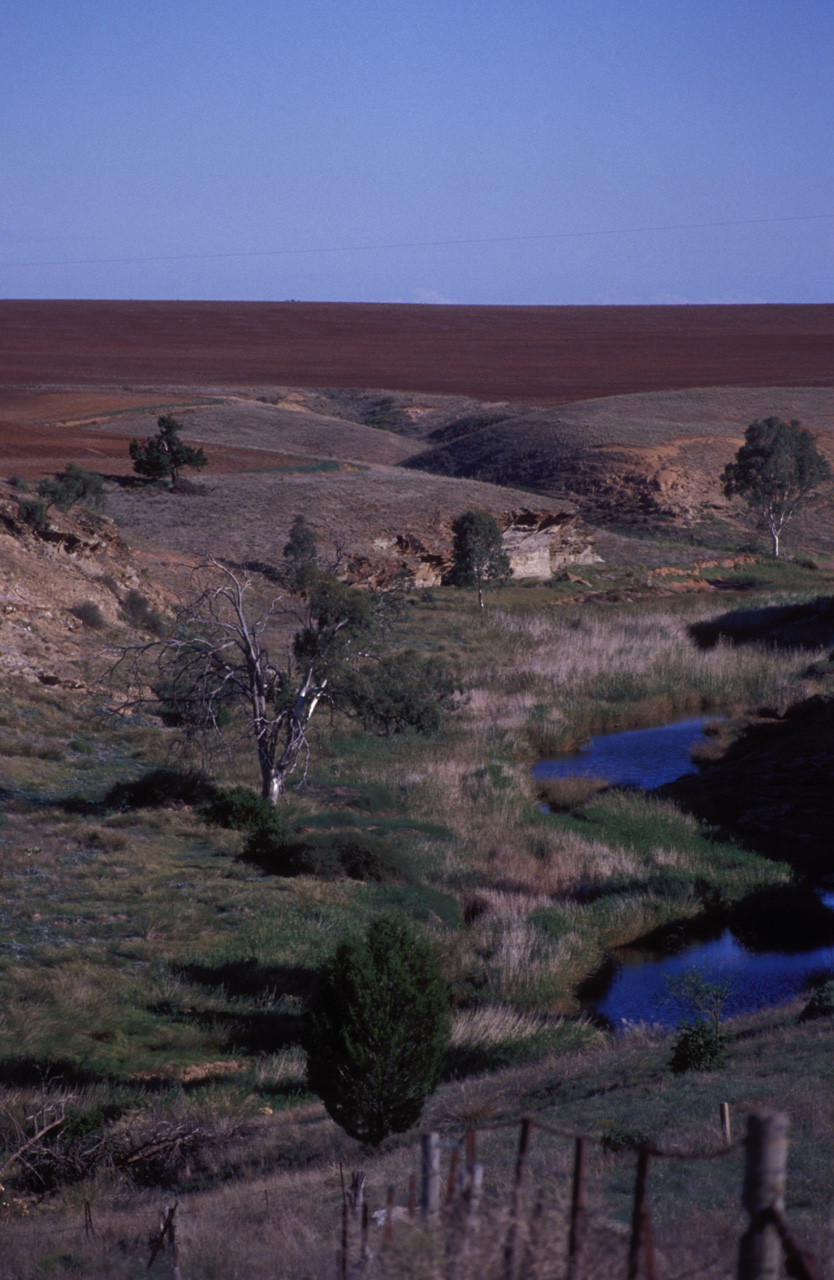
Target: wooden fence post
{"type": "Point", "coordinates": [641, 1232]}
{"type": "Point", "coordinates": [364, 1252]}
{"type": "Point", "coordinates": [342, 1268]}
{"type": "Point", "coordinates": [760, 1248]}
{"type": "Point", "coordinates": [356, 1192]}
{"type": "Point", "coordinates": [167, 1235]}
{"type": "Point", "coordinates": [577, 1212]}
{"type": "Point", "coordinates": [464, 1219]}
{"type": "Point", "coordinates": [451, 1184]}
{"type": "Point", "coordinates": [511, 1247]}
{"type": "Point", "coordinates": [726, 1130]}
{"type": "Point", "coordinates": [430, 1171]}
{"type": "Point", "coordinates": [388, 1232]}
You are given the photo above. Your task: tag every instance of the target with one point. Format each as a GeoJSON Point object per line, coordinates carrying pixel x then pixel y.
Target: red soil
{"type": "Point", "coordinates": [32, 451]}
{"type": "Point", "coordinates": [544, 354]}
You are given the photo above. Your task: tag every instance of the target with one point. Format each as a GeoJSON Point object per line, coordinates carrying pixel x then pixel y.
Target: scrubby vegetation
{"type": "Point", "coordinates": [71, 486]}
{"type": "Point", "coordinates": [163, 929]}
{"type": "Point", "coordinates": [377, 1029]}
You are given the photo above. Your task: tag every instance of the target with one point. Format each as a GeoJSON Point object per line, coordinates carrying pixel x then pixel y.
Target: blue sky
{"type": "Point", "coordinates": [469, 151]}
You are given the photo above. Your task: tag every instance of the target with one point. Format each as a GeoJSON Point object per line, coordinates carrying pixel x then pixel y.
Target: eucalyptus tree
{"type": "Point", "coordinates": [236, 668]}
{"type": "Point", "coordinates": [775, 471]}
{"type": "Point", "coordinates": [478, 553]}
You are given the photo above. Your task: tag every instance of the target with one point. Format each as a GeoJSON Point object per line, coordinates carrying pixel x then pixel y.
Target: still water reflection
{"type": "Point", "coordinates": [637, 757]}
{"type": "Point", "coordinates": [640, 988]}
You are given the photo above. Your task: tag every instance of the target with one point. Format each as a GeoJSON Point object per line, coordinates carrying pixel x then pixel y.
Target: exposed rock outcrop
{"type": "Point", "coordinates": [63, 592]}
{"type": "Point", "coordinates": [538, 544]}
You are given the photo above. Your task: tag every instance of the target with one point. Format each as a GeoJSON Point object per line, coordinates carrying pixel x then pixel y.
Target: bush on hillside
{"type": "Point", "coordinates": [32, 512]}
{"type": "Point", "coordinates": [241, 809]}
{"type": "Point", "coordinates": [90, 614]}
{"type": "Point", "coordinates": [137, 612]}
{"type": "Point", "coordinates": [376, 1031]}
{"type": "Point", "coordinates": [698, 1047]}
{"type": "Point", "coordinates": [71, 486]}
{"type": "Point", "coordinates": [328, 855]}
{"type": "Point", "coordinates": [821, 1002]}
{"type": "Point", "coordinates": [159, 787]}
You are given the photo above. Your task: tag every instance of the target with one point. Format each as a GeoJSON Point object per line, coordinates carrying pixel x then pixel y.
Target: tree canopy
{"type": "Point", "coordinates": [300, 555]}
{"type": "Point", "coordinates": [217, 676]}
{"type": "Point", "coordinates": [775, 471]}
{"type": "Point", "coordinates": [478, 553]}
{"type": "Point", "coordinates": [162, 456]}
{"type": "Point", "coordinates": [377, 1029]}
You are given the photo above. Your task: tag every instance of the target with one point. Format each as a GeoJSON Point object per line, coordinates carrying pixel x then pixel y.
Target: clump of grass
{"type": "Point", "coordinates": [90, 614]}
{"type": "Point", "coordinates": [563, 794]}
{"type": "Point", "coordinates": [138, 613]}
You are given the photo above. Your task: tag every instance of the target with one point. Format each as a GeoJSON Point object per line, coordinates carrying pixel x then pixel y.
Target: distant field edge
{"type": "Point", "coordinates": [539, 354]}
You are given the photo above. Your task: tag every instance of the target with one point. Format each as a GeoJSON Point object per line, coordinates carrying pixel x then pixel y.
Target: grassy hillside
{"type": "Point", "coordinates": [152, 977]}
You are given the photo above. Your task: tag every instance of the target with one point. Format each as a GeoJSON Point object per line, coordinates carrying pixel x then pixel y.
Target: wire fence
{"type": "Point", "coordinates": [451, 1207]}
{"type": "Point", "coordinates": [548, 1205]}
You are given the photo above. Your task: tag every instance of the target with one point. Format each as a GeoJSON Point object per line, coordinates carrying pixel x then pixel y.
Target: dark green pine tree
{"type": "Point", "coordinates": [164, 455]}
{"type": "Point", "coordinates": [376, 1030]}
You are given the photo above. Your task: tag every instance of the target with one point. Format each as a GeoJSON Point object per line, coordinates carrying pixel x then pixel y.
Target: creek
{"type": "Point", "coordinates": [639, 985]}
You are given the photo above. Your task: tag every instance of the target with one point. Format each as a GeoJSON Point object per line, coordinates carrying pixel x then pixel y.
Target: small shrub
{"type": "Point", "coordinates": [615, 1140]}
{"type": "Point", "coordinates": [90, 614]}
{"type": "Point", "coordinates": [241, 809]}
{"type": "Point", "coordinates": [821, 1002]}
{"type": "Point", "coordinates": [329, 855]}
{"type": "Point", "coordinates": [300, 556]}
{"type": "Point", "coordinates": [18, 483]}
{"type": "Point", "coordinates": [698, 1047]}
{"type": "Point", "coordinates": [136, 611]}
{"type": "Point", "coordinates": [158, 787]}
{"type": "Point", "coordinates": [72, 486]}
{"type": "Point", "coordinates": [32, 512]}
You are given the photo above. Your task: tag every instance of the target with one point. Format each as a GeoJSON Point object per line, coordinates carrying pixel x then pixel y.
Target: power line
{"type": "Point", "coordinates": [418, 244]}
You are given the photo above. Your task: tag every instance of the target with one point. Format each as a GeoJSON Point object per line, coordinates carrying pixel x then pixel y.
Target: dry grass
{"type": "Point", "coordinates": [596, 669]}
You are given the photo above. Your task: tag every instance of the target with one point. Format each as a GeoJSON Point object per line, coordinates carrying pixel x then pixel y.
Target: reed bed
{"type": "Point", "coordinates": [563, 675]}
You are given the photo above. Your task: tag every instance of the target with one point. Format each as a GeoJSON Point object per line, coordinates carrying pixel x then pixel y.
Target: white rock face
{"type": "Point", "coordinates": [539, 543]}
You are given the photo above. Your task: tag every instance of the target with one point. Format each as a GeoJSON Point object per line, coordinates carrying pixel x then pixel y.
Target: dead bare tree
{"type": "Point", "coordinates": [216, 662]}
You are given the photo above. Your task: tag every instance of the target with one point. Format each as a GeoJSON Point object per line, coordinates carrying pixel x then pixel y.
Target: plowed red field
{"type": "Point", "coordinates": [544, 354]}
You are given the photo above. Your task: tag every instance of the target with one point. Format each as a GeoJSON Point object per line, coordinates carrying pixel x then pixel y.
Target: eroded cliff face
{"type": "Point", "coordinates": [538, 544]}
{"type": "Point", "coordinates": [63, 594]}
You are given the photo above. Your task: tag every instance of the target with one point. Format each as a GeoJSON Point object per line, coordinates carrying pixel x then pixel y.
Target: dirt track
{"type": "Point", "coordinates": [543, 354]}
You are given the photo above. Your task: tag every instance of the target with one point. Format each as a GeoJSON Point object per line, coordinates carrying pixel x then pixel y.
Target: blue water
{"type": "Point", "coordinates": [637, 757]}
{"type": "Point", "coordinates": [640, 989]}
{"type": "Point", "coordinates": [641, 992]}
